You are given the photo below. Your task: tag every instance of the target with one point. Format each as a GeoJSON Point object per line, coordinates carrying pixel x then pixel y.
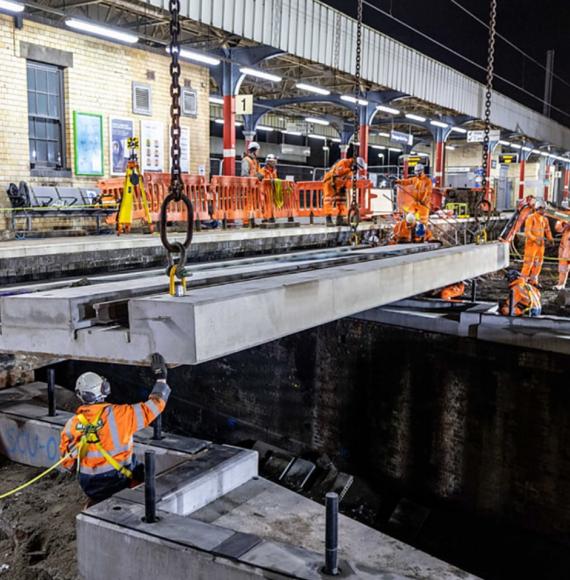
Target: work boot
{"type": "Point", "coordinates": [328, 221]}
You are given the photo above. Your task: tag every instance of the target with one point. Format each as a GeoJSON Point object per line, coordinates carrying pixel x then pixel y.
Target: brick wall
{"type": "Point", "coordinates": [100, 81]}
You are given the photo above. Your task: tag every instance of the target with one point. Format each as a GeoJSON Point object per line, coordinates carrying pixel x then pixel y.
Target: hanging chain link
{"type": "Point", "coordinates": [176, 192]}
{"type": "Point", "coordinates": [354, 212]}
{"type": "Point", "coordinates": [489, 94]}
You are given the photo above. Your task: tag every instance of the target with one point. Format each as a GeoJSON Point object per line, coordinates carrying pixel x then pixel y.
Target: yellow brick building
{"type": "Point", "coordinates": [97, 77]}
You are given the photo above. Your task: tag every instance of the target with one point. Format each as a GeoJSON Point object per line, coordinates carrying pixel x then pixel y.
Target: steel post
{"type": "Point", "coordinates": [149, 487]}
{"type": "Point", "coordinates": [157, 428]}
{"type": "Point", "coordinates": [331, 534]}
{"type": "Point", "coordinates": [51, 392]}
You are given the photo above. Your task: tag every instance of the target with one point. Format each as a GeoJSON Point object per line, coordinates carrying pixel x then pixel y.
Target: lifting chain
{"type": "Point", "coordinates": [354, 211]}
{"type": "Point", "coordinates": [176, 194]}
{"type": "Point", "coordinates": [488, 99]}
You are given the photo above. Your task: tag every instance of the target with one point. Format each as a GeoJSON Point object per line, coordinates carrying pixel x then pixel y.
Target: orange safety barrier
{"type": "Point", "coordinates": [234, 198]}
{"type": "Point", "coordinates": [156, 187]}
{"type": "Point", "coordinates": [310, 198]}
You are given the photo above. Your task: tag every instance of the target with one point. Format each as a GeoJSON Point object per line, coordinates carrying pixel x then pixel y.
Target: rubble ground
{"type": "Point", "coordinates": [37, 525]}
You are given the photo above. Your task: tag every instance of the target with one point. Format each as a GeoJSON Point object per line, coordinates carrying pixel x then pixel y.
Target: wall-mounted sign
{"type": "Point", "coordinates": [244, 104]}
{"type": "Point", "coordinates": [299, 150]}
{"type": "Point", "coordinates": [397, 137]}
{"type": "Point", "coordinates": [296, 127]}
{"type": "Point", "coordinates": [120, 130]}
{"type": "Point", "coordinates": [88, 143]}
{"type": "Point", "coordinates": [413, 160]}
{"type": "Point", "coordinates": [479, 136]}
{"type": "Point", "coordinates": [152, 145]}
{"type": "Point", "coordinates": [508, 158]}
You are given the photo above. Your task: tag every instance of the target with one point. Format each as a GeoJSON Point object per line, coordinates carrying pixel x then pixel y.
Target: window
{"type": "Point", "coordinates": [45, 116]}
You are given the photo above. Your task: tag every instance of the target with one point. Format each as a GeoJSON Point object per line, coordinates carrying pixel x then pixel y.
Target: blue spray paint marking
{"type": "Point", "coordinates": [24, 445]}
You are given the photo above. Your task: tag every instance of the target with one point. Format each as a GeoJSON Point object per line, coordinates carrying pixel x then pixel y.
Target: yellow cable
{"type": "Point", "coordinates": [33, 480]}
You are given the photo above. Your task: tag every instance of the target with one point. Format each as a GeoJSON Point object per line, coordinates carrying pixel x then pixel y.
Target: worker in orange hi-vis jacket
{"type": "Point", "coordinates": [269, 170]}
{"type": "Point", "coordinates": [524, 298]}
{"type": "Point", "coordinates": [452, 292]}
{"type": "Point", "coordinates": [563, 253]}
{"type": "Point", "coordinates": [99, 438]}
{"type": "Point", "coordinates": [536, 231]}
{"type": "Point", "coordinates": [421, 187]}
{"type": "Point", "coordinates": [336, 185]}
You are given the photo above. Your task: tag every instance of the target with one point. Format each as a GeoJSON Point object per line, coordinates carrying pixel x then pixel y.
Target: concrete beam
{"type": "Point", "coordinates": [215, 321]}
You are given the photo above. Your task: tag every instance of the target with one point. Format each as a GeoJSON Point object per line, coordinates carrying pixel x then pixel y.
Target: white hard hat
{"type": "Point", "coordinates": [361, 164]}
{"type": "Point", "coordinates": [410, 218]}
{"type": "Point", "coordinates": [564, 203]}
{"type": "Point", "coordinates": [92, 388]}
{"type": "Point", "coordinates": [253, 145]}
{"type": "Point", "coordinates": [270, 157]}
{"type": "Point", "coordinates": [539, 203]}
{"type": "Point", "coordinates": [419, 168]}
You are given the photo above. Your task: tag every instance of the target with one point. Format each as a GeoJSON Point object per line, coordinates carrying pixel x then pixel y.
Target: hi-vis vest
{"type": "Point", "coordinates": [102, 435]}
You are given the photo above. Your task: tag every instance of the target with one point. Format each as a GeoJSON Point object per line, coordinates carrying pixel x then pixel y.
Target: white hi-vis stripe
{"type": "Point", "coordinates": [229, 152]}
{"type": "Point", "coordinates": [139, 415]}
{"type": "Point", "coordinates": [154, 409]}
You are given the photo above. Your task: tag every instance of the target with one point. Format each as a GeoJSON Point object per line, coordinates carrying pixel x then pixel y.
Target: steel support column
{"type": "Point", "coordinates": [439, 163]}
{"type": "Point", "coordinates": [566, 182]}
{"type": "Point", "coordinates": [363, 140]}
{"type": "Point", "coordinates": [229, 163]}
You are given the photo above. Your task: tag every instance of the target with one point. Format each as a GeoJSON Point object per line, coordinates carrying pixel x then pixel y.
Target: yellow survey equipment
{"type": "Point", "coordinates": [133, 186]}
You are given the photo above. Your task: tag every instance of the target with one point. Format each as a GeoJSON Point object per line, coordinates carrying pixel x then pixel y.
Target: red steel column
{"type": "Point", "coordinates": [229, 165]}
{"type": "Point", "coordinates": [363, 140]}
{"type": "Point", "coordinates": [521, 177]}
{"type": "Point", "coordinates": [343, 151]}
{"type": "Point", "coordinates": [566, 182]}
{"type": "Point", "coordinates": [439, 163]}
{"type": "Point", "coordinates": [546, 179]}
{"type": "Point", "coordinates": [405, 168]}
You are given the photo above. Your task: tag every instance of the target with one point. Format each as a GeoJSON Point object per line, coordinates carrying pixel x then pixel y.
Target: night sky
{"type": "Point", "coordinates": [534, 26]}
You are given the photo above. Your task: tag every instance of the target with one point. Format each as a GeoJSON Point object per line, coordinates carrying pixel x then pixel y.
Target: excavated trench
{"type": "Point", "coordinates": [458, 447]}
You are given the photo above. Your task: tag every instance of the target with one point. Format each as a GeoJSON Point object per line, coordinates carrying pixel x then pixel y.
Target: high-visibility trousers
{"type": "Point", "coordinates": [563, 269]}
{"type": "Point", "coordinates": [532, 261]}
{"type": "Point", "coordinates": [333, 200]}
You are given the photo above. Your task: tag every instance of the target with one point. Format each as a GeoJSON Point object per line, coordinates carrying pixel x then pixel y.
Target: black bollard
{"type": "Point", "coordinates": [474, 290]}
{"type": "Point", "coordinates": [149, 488]}
{"type": "Point", "coordinates": [331, 534]}
{"type": "Point", "coordinates": [51, 392]}
{"type": "Point", "coordinates": [157, 428]}
{"type": "Point", "coordinates": [511, 303]}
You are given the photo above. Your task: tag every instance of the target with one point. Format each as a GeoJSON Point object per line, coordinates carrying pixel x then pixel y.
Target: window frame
{"type": "Point", "coordinates": [42, 169]}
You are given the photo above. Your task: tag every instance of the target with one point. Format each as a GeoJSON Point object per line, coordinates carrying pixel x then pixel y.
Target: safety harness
{"type": "Point", "coordinates": [91, 437]}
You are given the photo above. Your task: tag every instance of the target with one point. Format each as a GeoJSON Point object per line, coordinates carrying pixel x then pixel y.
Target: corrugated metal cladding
{"type": "Point", "coordinates": [307, 28]}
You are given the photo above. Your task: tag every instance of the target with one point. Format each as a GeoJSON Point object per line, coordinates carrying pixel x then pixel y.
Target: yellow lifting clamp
{"type": "Point", "coordinates": [176, 288]}
{"type": "Point", "coordinates": [134, 184]}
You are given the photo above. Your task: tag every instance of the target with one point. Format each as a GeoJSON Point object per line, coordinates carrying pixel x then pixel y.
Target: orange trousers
{"type": "Point", "coordinates": [333, 200]}
{"type": "Point", "coordinates": [532, 261]}
{"type": "Point", "coordinates": [563, 269]}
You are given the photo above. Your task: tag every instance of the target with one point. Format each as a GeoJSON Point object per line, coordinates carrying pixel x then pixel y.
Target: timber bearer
{"type": "Point", "coordinates": [100, 435]}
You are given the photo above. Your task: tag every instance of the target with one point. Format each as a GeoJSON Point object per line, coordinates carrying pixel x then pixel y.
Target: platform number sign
{"type": "Point", "coordinates": [244, 104]}
{"type": "Point", "coordinates": [508, 158]}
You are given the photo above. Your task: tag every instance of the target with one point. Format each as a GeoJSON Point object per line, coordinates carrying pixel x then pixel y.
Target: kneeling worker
{"type": "Point", "coordinates": [524, 299]}
{"type": "Point", "coordinates": [100, 435]}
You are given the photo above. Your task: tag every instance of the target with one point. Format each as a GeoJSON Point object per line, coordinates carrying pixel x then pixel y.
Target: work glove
{"type": "Point", "coordinates": [158, 367]}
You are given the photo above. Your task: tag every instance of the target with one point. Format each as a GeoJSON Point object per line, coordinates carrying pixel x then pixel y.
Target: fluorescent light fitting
{"type": "Point", "coordinates": [527, 149]}
{"type": "Point", "coordinates": [216, 100]}
{"type": "Point", "coordinates": [385, 109]}
{"type": "Point", "coordinates": [536, 151]}
{"type": "Point", "coordinates": [198, 57]}
{"type": "Point", "coordinates": [99, 30]}
{"type": "Point", "coordinates": [312, 89]}
{"type": "Point", "coordinates": [297, 133]}
{"type": "Point", "coordinates": [394, 150]}
{"type": "Point", "coordinates": [439, 124]}
{"type": "Point", "coordinates": [387, 135]}
{"type": "Point", "coordinates": [221, 122]}
{"type": "Point", "coordinates": [507, 143]}
{"type": "Point", "coordinates": [459, 130]}
{"type": "Point", "coordinates": [351, 99]}
{"type": "Point", "coordinates": [238, 123]}
{"type": "Point", "coordinates": [516, 146]}
{"type": "Point", "coordinates": [378, 147]}
{"type": "Point", "coordinates": [264, 128]}
{"type": "Point", "coordinates": [547, 154]}
{"type": "Point", "coordinates": [14, 7]}
{"type": "Point", "coordinates": [252, 72]}
{"type": "Point", "coordinates": [413, 117]}
{"type": "Point", "coordinates": [316, 121]}
{"type": "Point", "coordinates": [450, 147]}
{"type": "Point", "coordinates": [381, 155]}
{"type": "Point", "coordinates": [315, 136]}
{"type": "Point", "coordinates": [335, 140]}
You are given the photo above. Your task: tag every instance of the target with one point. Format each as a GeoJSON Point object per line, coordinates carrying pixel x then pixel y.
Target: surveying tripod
{"type": "Point", "coordinates": [134, 185]}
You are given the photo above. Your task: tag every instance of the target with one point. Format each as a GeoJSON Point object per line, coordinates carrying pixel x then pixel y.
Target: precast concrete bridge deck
{"type": "Point", "coordinates": [231, 306]}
